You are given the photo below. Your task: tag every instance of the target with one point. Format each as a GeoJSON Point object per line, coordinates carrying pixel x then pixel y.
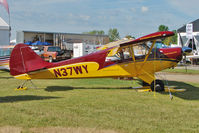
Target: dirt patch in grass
{"type": "Point", "coordinates": [69, 130]}
{"type": "Point", "coordinates": [182, 77]}
{"type": "Point", "coordinates": [9, 129]}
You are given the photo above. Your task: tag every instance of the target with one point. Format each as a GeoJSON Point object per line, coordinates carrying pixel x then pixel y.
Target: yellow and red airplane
{"type": "Point", "coordinates": [125, 58]}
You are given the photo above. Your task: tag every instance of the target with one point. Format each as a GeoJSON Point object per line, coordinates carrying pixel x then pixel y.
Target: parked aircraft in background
{"type": "Point", "coordinates": [5, 52]}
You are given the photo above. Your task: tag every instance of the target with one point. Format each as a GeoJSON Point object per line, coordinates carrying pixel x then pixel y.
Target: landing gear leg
{"type": "Point", "coordinates": [145, 83]}
{"type": "Point", "coordinates": [21, 87]}
{"type": "Point", "coordinates": [33, 84]}
{"type": "Point", "coordinates": [157, 85]}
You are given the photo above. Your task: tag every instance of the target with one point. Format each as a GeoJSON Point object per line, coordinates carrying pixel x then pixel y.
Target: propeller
{"type": "Point", "coordinates": [185, 50]}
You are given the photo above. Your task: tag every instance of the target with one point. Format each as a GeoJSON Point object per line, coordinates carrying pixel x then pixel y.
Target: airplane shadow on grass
{"type": "Point", "coordinates": [191, 93]}
{"type": "Point", "coordinates": [11, 99]}
{"type": "Point", "coordinates": [67, 88]}
{"type": "Point", "coordinates": [59, 88]}
{"type": "Point", "coordinates": [4, 71]}
{"type": "Point", "coordinates": [6, 77]}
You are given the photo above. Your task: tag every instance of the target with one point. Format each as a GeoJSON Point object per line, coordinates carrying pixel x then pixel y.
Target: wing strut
{"type": "Point", "coordinates": [133, 57]}
{"type": "Point", "coordinates": [132, 53]}
{"type": "Point", "coordinates": [149, 77]}
{"type": "Point", "coordinates": [147, 56]}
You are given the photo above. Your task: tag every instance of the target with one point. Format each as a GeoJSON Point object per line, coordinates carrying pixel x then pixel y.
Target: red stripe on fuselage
{"type": "Point", "coordinates": [172, 53]}
{"type": "Point", "coordinates": [98, 57]}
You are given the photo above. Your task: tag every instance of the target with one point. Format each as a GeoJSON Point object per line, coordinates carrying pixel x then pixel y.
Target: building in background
{"type": "Point", "coordinates": [4, 33]}
{"type": "Point", "coordinates": [192, 42]}
{"type": "Point", "coordinates": [64, 40]}
{"type": "Point", "coordinates": [190, 38]}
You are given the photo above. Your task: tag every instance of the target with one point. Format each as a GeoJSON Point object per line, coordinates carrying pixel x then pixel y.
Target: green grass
{"type": "Point", "coordinates": [188, 71]}
{"type": "Point", "coordinates": [98, 104]}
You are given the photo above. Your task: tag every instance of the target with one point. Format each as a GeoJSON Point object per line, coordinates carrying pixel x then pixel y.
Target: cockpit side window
{"type": "Point", "coordinates": [140, 51]}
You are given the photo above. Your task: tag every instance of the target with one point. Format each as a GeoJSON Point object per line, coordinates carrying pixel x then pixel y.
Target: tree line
{"type": "Point", "coordinates": [168, 40]}
{"type": "Point", "coordinates": [114, 35]}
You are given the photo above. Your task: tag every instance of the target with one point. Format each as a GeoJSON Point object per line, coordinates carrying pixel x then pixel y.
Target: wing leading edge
{"type": "Point", "coordinates": [118, 45]}
{"type": "Point", "coordinates": [150, 37]}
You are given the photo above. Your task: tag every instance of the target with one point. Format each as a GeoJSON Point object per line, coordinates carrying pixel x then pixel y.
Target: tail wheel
{"type": "Point", "coordinates": [50, 59]}
{"type": "Point", "coordinates": [157, 86]}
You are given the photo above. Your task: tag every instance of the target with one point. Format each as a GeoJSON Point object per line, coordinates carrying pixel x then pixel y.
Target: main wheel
{"type": "Point", "coordinates": [159, 85]}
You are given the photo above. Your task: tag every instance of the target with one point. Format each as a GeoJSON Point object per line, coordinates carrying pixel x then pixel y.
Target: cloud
{"type": "Point", "coordinates": [84, 17]}
{"type": "Point", "coordinates": [144, 9]}
{"type": "Point", "coordinates": [45, 2]}
{"type": "Point", "coordinates": [77, 16]}
{"type": "Point", "coordinates": [133, 9]}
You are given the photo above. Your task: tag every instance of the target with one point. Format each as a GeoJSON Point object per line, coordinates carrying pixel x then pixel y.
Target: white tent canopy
{"type": "Point", "coordinates": [4, 33]}
{"type": "Point", "coordinates": [193, 42]}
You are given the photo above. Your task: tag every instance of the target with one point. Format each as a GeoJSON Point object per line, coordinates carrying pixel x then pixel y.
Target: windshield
{"type": "Point", "coordinates": [54, 49]}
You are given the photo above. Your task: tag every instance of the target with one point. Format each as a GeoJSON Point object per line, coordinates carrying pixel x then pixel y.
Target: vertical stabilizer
{"type": "Point", "coordinates": [23, 60]}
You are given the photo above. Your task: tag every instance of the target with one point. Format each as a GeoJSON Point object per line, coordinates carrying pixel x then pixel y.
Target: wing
{"type": "Point", "coordinates": [114, 44]}
{"type": "Point", "coordinates": [150, 37]}
{"type": "Point", "coordinates": [118, 45]}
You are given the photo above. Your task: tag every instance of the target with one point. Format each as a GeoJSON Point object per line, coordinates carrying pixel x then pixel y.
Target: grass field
{"type": "Point", "coordinates": [95, 106]}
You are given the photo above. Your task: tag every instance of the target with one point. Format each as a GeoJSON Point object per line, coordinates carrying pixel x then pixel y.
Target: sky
{"type": "Point", "coordinates": [130, 17]}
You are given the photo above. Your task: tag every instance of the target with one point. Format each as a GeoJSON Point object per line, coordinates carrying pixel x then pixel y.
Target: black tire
{"type": "Point", "coordinates": [159, 85]}
{"type": "Point", "coordinates": [145, 83]}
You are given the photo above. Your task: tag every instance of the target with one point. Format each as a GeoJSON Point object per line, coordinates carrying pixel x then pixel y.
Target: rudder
{"type": "Point", "coordinates": [23, 60]}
